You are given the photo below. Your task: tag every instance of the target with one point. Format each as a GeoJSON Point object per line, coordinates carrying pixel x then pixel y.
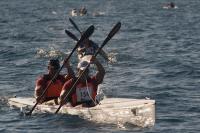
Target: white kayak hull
{"type": "Point", "coordinates": [139, 112]}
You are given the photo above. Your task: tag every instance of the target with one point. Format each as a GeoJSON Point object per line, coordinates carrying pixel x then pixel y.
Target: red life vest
{"type": "Point", "coordinates": [83, 93]}
{"type": "Point", "coordinates": [55, 88]}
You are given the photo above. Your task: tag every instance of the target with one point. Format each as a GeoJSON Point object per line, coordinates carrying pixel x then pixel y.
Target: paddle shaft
{"type": "Point", "coordinates": [110, 35]}
{"type": "Point", "coordinates": [88, 33]}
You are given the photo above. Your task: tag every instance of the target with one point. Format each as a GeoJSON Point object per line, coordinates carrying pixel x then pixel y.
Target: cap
{"type": "Point", "coordinates": [55, 63]}
{"type": "Point", "coordinates": [82, 65]}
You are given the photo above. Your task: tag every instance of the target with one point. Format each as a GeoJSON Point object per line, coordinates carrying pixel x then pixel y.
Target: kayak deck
{"type": "Point", "coordinates": [139, 112]}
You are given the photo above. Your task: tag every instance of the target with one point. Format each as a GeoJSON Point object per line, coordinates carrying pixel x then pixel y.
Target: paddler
{"type": "Point", "coordinates": [170, 5]}
{"type": "Point", "coordinates": [74, 12]}
{"type": "Point", "coordinates": [86, 88]}
{"type": "Point", "coordinates": [53, 91]}
{"type": "Point", "coordinates": [83, 11]}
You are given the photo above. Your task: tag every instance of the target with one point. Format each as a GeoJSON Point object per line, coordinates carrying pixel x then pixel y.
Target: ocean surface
{"type": "Point", "coordinates": [156, 54]}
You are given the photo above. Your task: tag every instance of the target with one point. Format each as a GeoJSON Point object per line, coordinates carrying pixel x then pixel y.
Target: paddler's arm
{"type": "Point", "coordinates": [80, 50]}
{"type": "Point", "coordinates": [38, 93]}
{"type": "Point", "coordinates": [40, 83]}
{"type": "Point", "coordinates": [66, 92]}
{"type": "Point", "coordinates": [70, 71]}
{"type": "Point", "coordinates": [100, 70]}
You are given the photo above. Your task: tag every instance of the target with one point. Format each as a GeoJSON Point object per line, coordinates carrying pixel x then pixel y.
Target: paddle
{"type": "Point", "coordinates": [86, 34]}
{"type": "Point", "coordinates": [71, 35]}
{"type": "Point", "coordinates": [102, 52]}
{"type": "Point", "coordinates": [110, 35]}
{"type": "Point", "coordinates": [75, 26]}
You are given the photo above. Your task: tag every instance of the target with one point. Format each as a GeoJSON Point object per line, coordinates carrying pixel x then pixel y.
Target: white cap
{"type": "Point", "coordinates": [82, 65]}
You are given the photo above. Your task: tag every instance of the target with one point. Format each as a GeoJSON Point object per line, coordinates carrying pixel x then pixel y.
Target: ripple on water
{"type": "Point", "coordinates": [157, 56]}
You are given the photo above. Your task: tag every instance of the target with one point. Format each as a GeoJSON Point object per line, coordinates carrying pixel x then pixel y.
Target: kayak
{"type": "Point", "coordinates": [138, 112]}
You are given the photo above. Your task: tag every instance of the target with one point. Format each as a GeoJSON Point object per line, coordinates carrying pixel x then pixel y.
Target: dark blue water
{"type": "Point", "coordinates": [157, 52]}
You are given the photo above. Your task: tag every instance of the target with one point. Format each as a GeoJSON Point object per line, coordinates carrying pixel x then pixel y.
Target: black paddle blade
{"type": "Point", "coordinates": [71, 35]}
{"type": "Point", "coordinates": [114, 30]}
{"type": "Point", "coordinates": [87, 33]}
{"type": "Point", "coordinates": [75, 26]}
{"type": "Point", "coordinates": [28, 113]}
{"type": "Point", "coordinates": [112, 33]}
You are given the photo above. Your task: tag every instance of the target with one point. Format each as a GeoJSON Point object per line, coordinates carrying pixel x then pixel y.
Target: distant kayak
{"type": "Point", "coordinates": [170, 5]}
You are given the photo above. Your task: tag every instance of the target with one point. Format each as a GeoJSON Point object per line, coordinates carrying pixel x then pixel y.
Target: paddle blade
{"type": "Point", "coordinates": [30, 112]}
{"type": "Point", "coordinates": [71, 35]}
{"type": "Point", "coordinates": [87, 33]}
{"type": "Point", "coordinates": [75, 26]}
{"type": "Point", "coordinates": [112, 33]}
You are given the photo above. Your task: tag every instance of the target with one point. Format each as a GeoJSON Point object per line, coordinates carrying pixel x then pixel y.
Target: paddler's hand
{"type": "Point", "coordinates": [93, 60]}
{"type": "Point", "coordinates": [39, 100]}
{"type": "Point", "coordinates": [62, 100]}
{"type": "Point", "coordinates": [80, 50]}
{"type": "Point", "coordinates": [67, 64]}
{"type": "Point", "coordinates": [69, 69]}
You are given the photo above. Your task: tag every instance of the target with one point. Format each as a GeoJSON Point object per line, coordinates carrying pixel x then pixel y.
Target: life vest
{"type": "Point", "coordinates": [85, 93]}
{"type": "Point", "coordinates": [55, 88]}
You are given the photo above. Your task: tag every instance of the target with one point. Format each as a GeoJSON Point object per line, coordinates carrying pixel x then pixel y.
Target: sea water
{"type": "Point", "coordinates": [157, 55]}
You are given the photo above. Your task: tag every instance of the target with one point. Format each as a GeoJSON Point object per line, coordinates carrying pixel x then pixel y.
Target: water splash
{"type": "Point", "coordinates": [112, 58]}
{"type": "Point", "coordinates": [120, 125]}
{"type": "Point", "coordinates": [52, 53]}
